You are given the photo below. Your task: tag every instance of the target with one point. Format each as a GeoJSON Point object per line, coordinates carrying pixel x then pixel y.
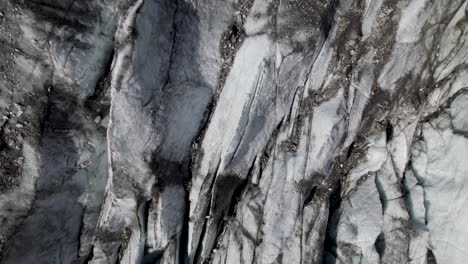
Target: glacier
{"type": "Point", "coordinates": [235, 131]}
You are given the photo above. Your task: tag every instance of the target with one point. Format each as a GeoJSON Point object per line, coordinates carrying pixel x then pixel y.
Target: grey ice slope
{"type": "Point", "coordinates": [249, 131]}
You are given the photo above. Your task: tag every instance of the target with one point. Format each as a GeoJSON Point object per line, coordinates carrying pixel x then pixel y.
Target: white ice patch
{"type": "Point", "coordinates": [222, 136]}
{"type": "Point", "coordinates": [405, 58]}
{"type": "Point", "coordinates": [360, 224]}
{"type": "Point", "coordinates": [360, 89]}
{"type": "Point", "coordinates": [399, 147]}
{"type": "Point", "coordinates": [323, 142]}
{"type": "Point", "coordinates": [452, 34]}
{"type": "Point", "coordinates": [440, 165]}
{"type": "Point", "coordinates": [259, 18]}
{"type": "Point", "coordinates": [375, 157]}
{"type": "Point", "coordinates": [238, 92]}
{"type": "Point", "coordinates": [412, 19]}
{"type": "Point", "coordinates": [453, 46]}
{"type": "Point", "coordinates": [318, 74]}
{"type": "Point", "coordinates": [372, 8]}
{"type": "Point", "coordinates": [459, 113]}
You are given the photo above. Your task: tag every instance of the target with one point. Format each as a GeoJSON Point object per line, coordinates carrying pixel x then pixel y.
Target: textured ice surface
{"type": "Point", "coordinates": [249, 131]}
